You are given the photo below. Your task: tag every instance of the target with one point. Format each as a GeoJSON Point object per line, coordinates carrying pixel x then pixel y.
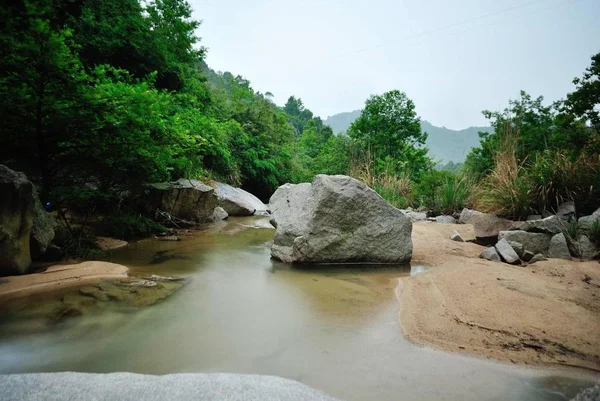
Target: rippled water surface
{"type": "Point", "coordinates": [334, 328]}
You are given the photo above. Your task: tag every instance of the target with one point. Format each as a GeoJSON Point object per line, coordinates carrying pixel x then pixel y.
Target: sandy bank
{"type": "Point", "coordinates": [545, 313]}
{"type": "Point", "coordinates": [59, 277]}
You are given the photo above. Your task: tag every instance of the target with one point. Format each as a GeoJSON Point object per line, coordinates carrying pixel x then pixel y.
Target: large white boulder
{"type": "Point", "coordinates": [236, 201]}
{"type": "Point", "coordinates": [338, 219]}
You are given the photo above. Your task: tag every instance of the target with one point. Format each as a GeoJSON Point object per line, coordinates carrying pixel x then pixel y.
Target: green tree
{"type": "Point", "coordinates": [390, 130]}
{"type": "Point", "coordinates": [585, 100]}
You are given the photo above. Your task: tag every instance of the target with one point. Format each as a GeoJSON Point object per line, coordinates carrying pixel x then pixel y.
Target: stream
{"type": "Point", "coordinates": [335, 328]}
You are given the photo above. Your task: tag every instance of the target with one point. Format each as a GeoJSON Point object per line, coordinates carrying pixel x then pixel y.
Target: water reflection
{"type": "Point", "coordinates": [334, 327]}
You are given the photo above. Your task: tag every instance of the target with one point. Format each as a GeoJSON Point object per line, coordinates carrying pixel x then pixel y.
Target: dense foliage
{"type": "Point", "coordinates": [540, 156]}
{"type": "Point", "coordinates": [100, 97]}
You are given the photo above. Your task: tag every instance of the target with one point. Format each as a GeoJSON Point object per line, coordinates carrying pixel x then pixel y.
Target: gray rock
{"type": "Point", "coordinates": [236, 201]}
{"type": "Point", "coordinates": [17, 203]}
{"type": "Point", "coordinates": [566, 211]}
{"type": "Point", "coordinates": [527, 256]}
{"type": "Point", "coordinates": [589, 394]}
{"type": "Point", "coordinates": [445, 219]}
{"type": "Point", "coordinates": [490, 254]}
{"type": "Point", "coordinates": [220, 214]}
{"type": "Point", "coordinates": [558, 247]}
{"type": "Point", "coordinates": [538, 257]}
{"type": "Point", "coordinates": [549, 225]}
{"type": "Point", "coordinates": [42, 231]}
{"type": "Point", "coordinates": [546, 213]}
{"type": "Point", "coordinates": [456, 236]}
{"type": "Point", "coordinates": [487, 227]}
{"type": "Point", "coordinates": [586, 223]}
{"type": "Point", "coordinates": [534, 242]}
{"type": "Point", "coordinates": [534, 217]}
{"type": "Point", "coordinates": [507, 253]}
{"type": "Point", "coordinates": [414, 216]}
{"type": "Point", "coordinates": [466, 215]}
{"type": "Point", "coordinates": [185, 199]}
{"type": "Point", "coordinates": [136, 387]}
{"type": "Point", "coordinates": [518, 247]}
{"type": "Point", "coordinates": [586, 248]}
{"type": "Point", "coordinates": [338, 219]}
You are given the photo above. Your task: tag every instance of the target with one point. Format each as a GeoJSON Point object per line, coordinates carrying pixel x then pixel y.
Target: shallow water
{"type": "Point", "coordinates": [334, 328]}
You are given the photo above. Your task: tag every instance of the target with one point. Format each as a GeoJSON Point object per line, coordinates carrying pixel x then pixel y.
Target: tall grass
{"type": "Point", "coordinates": [506, 190]}
{"type": "Point", "coordinates": [455, 194]}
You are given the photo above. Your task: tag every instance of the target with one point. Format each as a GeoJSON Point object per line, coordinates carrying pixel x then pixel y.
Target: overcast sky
{"type": "Point", "coordinates": [453, 58]}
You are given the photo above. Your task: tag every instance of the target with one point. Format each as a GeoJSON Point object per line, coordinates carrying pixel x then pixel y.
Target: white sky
{"type": "Point", "coordinates": [454, 58]}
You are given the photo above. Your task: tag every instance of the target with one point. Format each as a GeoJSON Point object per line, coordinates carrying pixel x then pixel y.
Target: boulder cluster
{"type": "Point", "coordinates": [556, 236]}
{"type": "Point", "coordinates": [27, 231]}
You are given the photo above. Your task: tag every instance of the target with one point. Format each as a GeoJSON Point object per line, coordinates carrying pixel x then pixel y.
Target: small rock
{"type": "Point", "coordinates": [445, 219]}
{"type": "Point", "coordinates": [587, 222]}
{"type": "Point", "coordinates": [534, 242]}
{"type": "Point", "coordinates": [587, 249]}
{"type": "Point", "coordinates": [488, 226]}
{"type": "Point", "coordinates": [507, 253]}
{"type": "Point", "coordinates": [490, 254]}
{"type": "Point", "coordinates": [566, 211]}
{"type": "Point", "coordinates": [518, 247]}
{"type": "Point", "coordinates": [139, 283]}
{"type": "Point", "coordinates": [549, 225]}
{"type": "Point", "coordinates": [558, 247]}
{"type": "Point", "coordinates": [220, 214]}
{"type": "Point", "coordinates": [273, 222]}
{"type": "Point", "coordinates": [527, 256]}
{"type": "Point", "coordinates": [532, 217]}
{"type": "Point", "coordinates": [456, 236]}
{"type": "Point", "coordinates": [466, 215]}
{"type": "Point", "coordinates": [538, 257]}
{"type": "Point", "coordinates": [414, 216]}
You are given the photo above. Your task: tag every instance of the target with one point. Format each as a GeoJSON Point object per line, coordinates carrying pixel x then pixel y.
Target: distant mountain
{"type": "Point", "coordinates": [444, 144]}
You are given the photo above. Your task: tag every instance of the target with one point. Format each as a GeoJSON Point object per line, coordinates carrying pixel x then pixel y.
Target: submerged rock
{"type": "Point", "coordinates": [589, 394]}
{"type": "Point", "coordinates": [185, 199]}
{"type": "Point", "coordinates": [236, 201]}
{"type": "Point", "coordinates": [17, 204]}
{"type": "Point", "coordinates": [338, 219]}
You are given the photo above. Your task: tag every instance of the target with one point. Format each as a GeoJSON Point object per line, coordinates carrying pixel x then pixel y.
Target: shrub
{"type": "Point", "coordinates": [128, 227]}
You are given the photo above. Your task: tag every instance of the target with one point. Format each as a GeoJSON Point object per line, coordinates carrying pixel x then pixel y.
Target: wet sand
{"type": "Point", "coordinates": [547, 313]}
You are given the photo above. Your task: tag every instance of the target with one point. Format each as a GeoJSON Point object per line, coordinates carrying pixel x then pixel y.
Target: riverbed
{"type": "Point", "coordinates": [335, 328]}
